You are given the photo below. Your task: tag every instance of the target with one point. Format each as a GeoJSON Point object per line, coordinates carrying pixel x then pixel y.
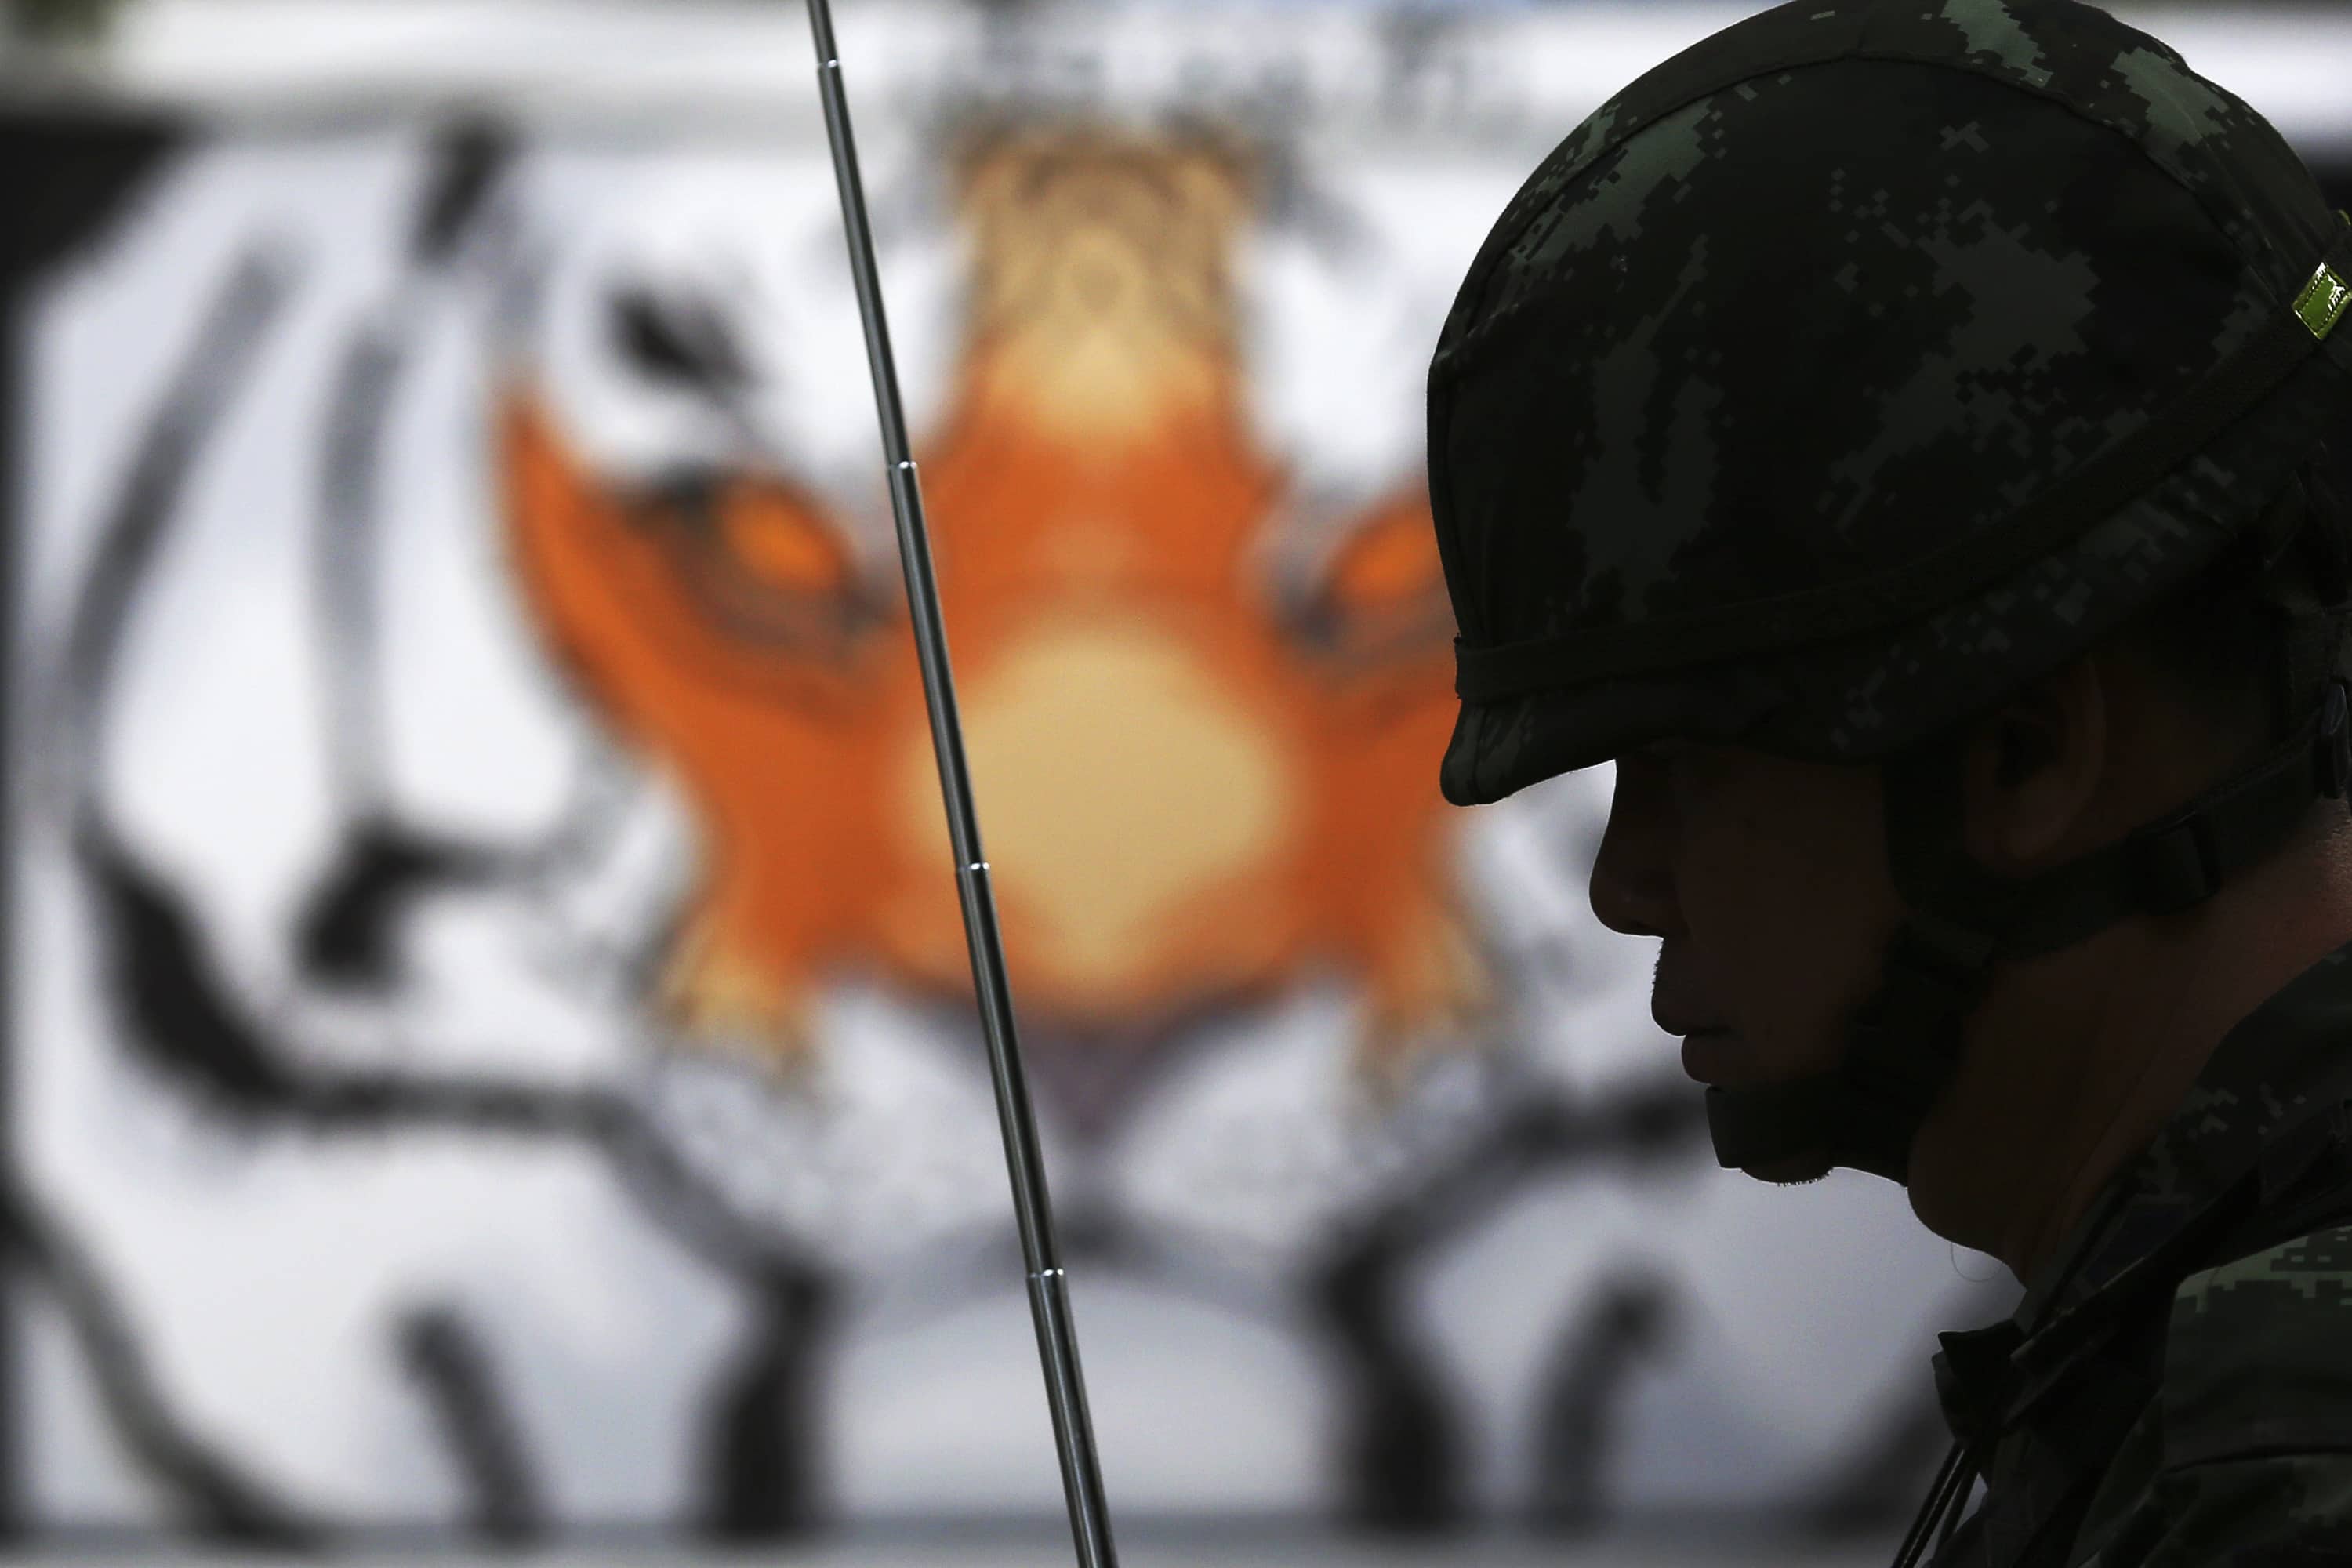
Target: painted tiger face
{"type": "Point", "coordinates": [1199, 778]}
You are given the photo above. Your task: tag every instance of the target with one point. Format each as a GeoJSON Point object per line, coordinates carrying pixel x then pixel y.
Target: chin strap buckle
{"type": "Point", "coordinates": [2175, 865]}
{"type": "Point", "coordinates": [2331, 750]}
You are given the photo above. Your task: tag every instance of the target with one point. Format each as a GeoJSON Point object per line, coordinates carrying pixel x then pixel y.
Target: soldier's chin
{"type": "Point", "coordinates": [1794, 1171]}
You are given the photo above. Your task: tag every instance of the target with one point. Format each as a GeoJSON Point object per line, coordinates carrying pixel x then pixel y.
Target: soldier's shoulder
{"type": "Point", "coordinates": [2258, 1355]}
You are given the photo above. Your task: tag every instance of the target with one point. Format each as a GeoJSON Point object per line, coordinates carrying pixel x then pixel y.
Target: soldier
{"type": "Point", "coordinates": [1896, 435]}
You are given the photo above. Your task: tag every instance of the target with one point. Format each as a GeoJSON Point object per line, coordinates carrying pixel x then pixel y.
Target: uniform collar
{"type": "Point", "coordinates": [2279, 1064]}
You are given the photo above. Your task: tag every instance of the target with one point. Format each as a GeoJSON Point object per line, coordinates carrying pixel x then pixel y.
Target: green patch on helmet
{"type": "Point", "coordinates": [2324, 303]}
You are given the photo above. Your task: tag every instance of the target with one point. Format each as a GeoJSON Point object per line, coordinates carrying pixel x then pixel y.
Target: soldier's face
{"type": "Point", "coordinates": [1766, 881]}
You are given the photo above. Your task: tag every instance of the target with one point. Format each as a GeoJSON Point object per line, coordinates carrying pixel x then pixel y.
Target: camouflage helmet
{"type": "Point", "coordinates": [1848, 372]}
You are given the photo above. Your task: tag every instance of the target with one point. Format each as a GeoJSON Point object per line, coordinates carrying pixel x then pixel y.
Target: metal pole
{"type": "Point", "coordinates": [1049, 1297]}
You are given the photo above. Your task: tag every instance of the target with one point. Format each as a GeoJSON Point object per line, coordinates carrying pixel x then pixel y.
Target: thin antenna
{"type": "Point", "coordinates": [1049, 1295]}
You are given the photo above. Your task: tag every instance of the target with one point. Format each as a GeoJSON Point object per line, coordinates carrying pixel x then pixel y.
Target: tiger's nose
{"type": "Point", "coordinates": [1118, 780]}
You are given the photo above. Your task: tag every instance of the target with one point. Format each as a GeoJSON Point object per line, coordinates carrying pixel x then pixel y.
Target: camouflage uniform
{"type": "Point", "coordinates": [2136, 1417]}
{"type": "Point", "coordinates": [1851, 371]}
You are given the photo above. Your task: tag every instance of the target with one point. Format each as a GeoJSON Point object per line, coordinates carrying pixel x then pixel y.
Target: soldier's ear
{"type": "Point", "coordinates": [2036, 768]}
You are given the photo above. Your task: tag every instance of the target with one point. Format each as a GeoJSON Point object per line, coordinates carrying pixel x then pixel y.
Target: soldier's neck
{"type": "Point", "coordinates": [2078, 1058]}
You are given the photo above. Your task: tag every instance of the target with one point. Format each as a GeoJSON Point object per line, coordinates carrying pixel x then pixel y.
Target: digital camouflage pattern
{"type": "Point", "coordinates": [2222, 1431]}
{"type": "Point", "coordinates": [1833, 290]}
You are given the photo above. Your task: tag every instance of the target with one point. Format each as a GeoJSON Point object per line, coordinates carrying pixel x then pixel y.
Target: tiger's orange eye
{"type": "Point", "coordinates": [776, 539]}
{"type": "Point", "coordinates": [1391, 560]}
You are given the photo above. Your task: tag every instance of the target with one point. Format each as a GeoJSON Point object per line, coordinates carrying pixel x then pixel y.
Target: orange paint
{"type": "Point", "coordinates": [1187, 795]}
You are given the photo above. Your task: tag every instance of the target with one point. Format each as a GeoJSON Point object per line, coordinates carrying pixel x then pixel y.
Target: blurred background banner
{"type": "Point", "coordinates": [489, 1045]}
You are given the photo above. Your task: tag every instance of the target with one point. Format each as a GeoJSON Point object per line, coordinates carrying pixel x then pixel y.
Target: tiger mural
{"type": "Point", "coordinates": [1197, 780]}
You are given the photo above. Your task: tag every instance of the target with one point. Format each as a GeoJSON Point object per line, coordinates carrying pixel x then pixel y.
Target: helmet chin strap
{"type": "Point", "coordinates": [1905, 1043]}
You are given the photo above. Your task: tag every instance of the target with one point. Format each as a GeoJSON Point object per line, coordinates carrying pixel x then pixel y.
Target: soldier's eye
{"type": "Point", "coordinates": [1684, 769]}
